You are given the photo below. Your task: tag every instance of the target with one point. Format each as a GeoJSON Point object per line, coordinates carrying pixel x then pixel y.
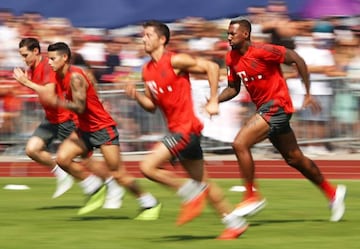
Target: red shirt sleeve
{"type": "Point", "coordinates": [270, 52]}
{"type": "Point", "coordinates": [231, 73]}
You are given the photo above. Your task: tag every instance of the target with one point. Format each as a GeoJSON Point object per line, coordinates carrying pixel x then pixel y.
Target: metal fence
{"type": "Point", "coordinates": [337, 126]}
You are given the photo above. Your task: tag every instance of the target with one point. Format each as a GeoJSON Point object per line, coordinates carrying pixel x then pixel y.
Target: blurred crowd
{"type": "Point", "coordinates": [329, 45]}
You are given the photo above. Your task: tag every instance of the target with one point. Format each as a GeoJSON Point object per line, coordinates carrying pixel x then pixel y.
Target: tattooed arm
{"type": "Point", "coordinates": [79, 87]}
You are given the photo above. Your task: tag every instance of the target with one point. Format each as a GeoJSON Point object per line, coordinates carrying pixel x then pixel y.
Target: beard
{"type": "Point", "coordinates": [235, 46]}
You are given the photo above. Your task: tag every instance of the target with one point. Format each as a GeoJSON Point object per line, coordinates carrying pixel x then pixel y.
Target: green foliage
{"type": "Point", "coordinates": [296, 217]}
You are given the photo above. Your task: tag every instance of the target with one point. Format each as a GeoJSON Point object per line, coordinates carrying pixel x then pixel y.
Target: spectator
{"type": "Point", "coordinates": [10, 108]}
{"type": "Point", "coordinates": [112, 58]}
{"type": "Point", "coordinates": [346, 107]}
{"type": "Point", "coordinates": [278, 24]}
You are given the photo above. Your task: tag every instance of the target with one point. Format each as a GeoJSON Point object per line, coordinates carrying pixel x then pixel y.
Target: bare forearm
{"type": "Point", "coordinates": [304, 74]}
{"type": "Point", "coordinates": [33, 86]}
{"type": "Point", "coordinates": [78, 108]}
{"type": "Point", "coordinates": [146, 103]}
{"type": "Point", "coordinates": [227, 94]}
{"type": "Point", "coordinates": [22, 78]}
{"type": "Point", "coordinates": [213, 77]}
{"type": "Point", "coordinates": [292, 57]}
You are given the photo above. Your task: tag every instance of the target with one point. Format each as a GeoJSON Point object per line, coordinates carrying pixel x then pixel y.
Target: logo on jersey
{"type": "Point", "coordinates": [156, 90]}
{"type": "Point", "coordinates": [246, 79]}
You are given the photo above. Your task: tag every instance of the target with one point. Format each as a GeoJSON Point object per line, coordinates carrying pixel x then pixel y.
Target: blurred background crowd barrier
{"type": "Point", "coordinates": [336, 128]}
{"type": "Point", "coordinates": [326, 34]}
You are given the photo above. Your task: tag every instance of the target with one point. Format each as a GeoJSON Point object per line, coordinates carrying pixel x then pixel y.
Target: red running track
{"type": "Point", "coordinates": [269, 169]}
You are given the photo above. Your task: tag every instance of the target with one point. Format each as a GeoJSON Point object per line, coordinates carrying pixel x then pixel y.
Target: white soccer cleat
{"type": "Point", "coordinates": [63, 185]}
{"type": "Point", "coordinates": [113, 199]}
{"type": "Point", "coordinates": [337, 205]}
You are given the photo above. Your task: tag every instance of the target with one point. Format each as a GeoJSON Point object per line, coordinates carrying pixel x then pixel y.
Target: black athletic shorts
{"type": "Point", "coordinates": [184, 146]}
{"type": "Point", "coordinates": [108, 135]}
{"type": "Point", "coordinates": [276, 117]}
{"type": "Point", "coordinates": [50, 132]}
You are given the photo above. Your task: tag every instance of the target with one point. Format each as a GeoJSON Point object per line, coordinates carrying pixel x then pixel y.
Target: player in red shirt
{"type": "Point", "coordinates": [59, 123]}
{"type": "Point", "coordinates": [167, 86]}
{"type": "Point", "coordinates": [96, 129]}
{"type": "Point", "coordinates": [257, 66]}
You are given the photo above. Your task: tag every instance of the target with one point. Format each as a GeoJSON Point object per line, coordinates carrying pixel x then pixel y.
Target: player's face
{"type": "Point", "coordinates": [237, 35]}
{"type": "Point", "coordinates": [56, 60]}
{"type": "Point", "coordinates": [29, 56]}
{"type": "Point", "coordinates": [151, 40]}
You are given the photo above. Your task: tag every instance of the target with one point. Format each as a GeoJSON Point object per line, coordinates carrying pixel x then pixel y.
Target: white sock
{"type": "Point", "coordinates": [113, 187]}
{"type": "Point", "coordinates": [190, 189]}
{"type": "Point", "coordinates": [109, 180]}
{"type": "Point", "coordinates": [147, 200]}
{"type": "Point", "coordinates": [59, 172]}
{"type": "Point", "coordinates": [91, 184]}
{"type": "Point", "coordinates": [233, 221]}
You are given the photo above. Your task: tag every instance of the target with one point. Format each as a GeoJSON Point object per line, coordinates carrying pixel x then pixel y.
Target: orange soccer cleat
{"type": "Point", "coordinates": [192, 208]}
{"type": "Point", "coordinates": [233, 233]}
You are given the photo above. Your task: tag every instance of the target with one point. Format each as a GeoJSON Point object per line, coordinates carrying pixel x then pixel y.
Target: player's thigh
{"type": "Point", "coordinates": [286, 144]}
{"type": "Point", "coordinates": [70, 148]}
{"type": "Point", "coordinates": [35, 143]}
{"type": "Point", "coordinates": [255, 130]}
{"type": "Point", "coordinates": [159, 155]}
{"type": "Point", "coordinates": [111, 154]}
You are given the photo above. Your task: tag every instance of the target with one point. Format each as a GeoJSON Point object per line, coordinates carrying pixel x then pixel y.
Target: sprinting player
{"type": "Point", "coordinates": [257, 66]}
{"type": "Point", "coordinates": [167, 86]}
{"type": "Point", "coordinates": [96, 129]}
{"type": "Point", "coordinates": [58, 124]}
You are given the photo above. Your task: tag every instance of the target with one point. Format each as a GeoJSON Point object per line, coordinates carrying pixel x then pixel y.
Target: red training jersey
{"type": "Point", "coordinates": [41, 75]}
{"type": "Point", "coordinates": [95, 117]}
{"type": "Point", "coordinates": [259, 70]}
{"type": "Point", "coordinates": [172, 93]}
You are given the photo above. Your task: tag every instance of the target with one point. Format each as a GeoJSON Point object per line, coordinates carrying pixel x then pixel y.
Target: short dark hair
{"type": "Point", "coordinates": [60, 47]}
{"type": "Point", "coordinates": [242, 22]}
{"type": "Point", "coordinates": [161, 29]}
{"type": "Point", "coordinates": [30, 43]}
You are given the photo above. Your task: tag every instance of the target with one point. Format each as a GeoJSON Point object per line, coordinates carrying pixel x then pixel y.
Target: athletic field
{"type": "Point", "coordinates": [296, 217]}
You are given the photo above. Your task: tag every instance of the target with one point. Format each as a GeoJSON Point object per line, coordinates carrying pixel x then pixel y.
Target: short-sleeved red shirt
{"type": "Point", "coordinates": [41, 75]}
{"type": "Point", "coordinates": [95, 117]}
{"type": "Point", "coordinates": [259, 70]}
{"type": "Point", "coordinates": [172, 94]}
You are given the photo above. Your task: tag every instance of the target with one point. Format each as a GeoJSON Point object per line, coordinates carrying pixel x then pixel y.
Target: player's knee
{"type": "Point", "coordinates": [294, 159]}
{"type": "Point", "coordinates": [31, 152]}
{"type": "Point", "coordinates": [239, 146]}
{"type": "Point", "coordinates": [62, 159]}
{"type": "Point", "coordinates": [145, 170]}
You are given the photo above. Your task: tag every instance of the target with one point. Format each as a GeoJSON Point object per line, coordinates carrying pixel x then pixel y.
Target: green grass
{"type": "Point", "coordinates": [296, 217]}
